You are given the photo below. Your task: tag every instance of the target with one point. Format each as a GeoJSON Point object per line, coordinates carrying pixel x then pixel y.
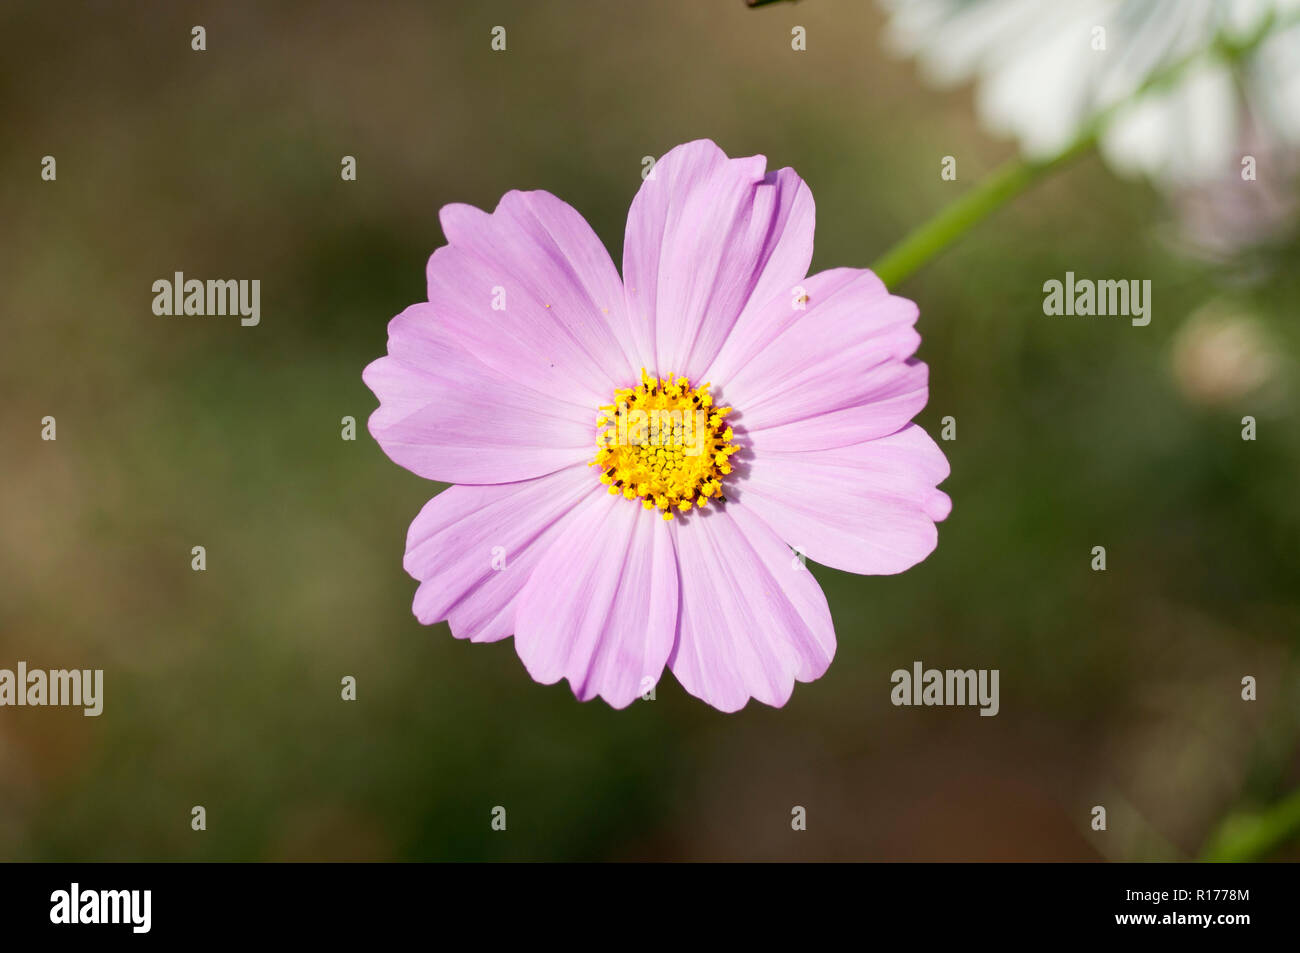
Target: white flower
{"type": "Point", "coordinates": [1043, 68]}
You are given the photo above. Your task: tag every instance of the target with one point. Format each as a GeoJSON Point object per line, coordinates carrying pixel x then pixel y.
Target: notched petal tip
{"type": "Point", "coordinates": [938, 506]}
{"type": "Point", "coordinates": [458, 219]}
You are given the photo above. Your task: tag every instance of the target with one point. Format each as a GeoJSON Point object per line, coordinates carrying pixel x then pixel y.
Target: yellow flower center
{"type": "Point", "coordinates": [664, 443]}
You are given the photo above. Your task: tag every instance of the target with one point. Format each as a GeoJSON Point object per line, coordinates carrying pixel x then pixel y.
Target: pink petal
{"type": "Point", "coordinates": [445, 416]}
{"type": "Point", "coordinates": [601, 607]}
{"type": "Point", "coordinates": [474, 547]}
{"type": "Point", "coordinates": [838, 372]}
{"type": "Point", "coordinates": [753, 619]}
{"type": "Point", "coordinates": [866, 508]}
{"type": "Point", "coordinates": [564, 328]}
{"type": "Point", "coordinates": [708, 236]}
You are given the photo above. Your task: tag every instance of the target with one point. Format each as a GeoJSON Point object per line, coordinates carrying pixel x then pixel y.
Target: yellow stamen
{"type": "Point", "coordinates": [664, 443]}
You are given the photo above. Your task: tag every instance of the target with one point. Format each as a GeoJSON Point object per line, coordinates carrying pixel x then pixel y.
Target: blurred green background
{"type": "Point", "coordinates": [1119, 688]}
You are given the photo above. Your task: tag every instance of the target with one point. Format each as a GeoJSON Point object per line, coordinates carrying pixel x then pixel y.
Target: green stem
{"type": "Point", "coordinates": [1013, 177]}
{"type": "Point", "coordinates": [1005, 183]}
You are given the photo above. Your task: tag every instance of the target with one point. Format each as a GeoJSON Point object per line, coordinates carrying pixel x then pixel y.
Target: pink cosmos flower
{"type": "Point", "coordinates": [635, 459]}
